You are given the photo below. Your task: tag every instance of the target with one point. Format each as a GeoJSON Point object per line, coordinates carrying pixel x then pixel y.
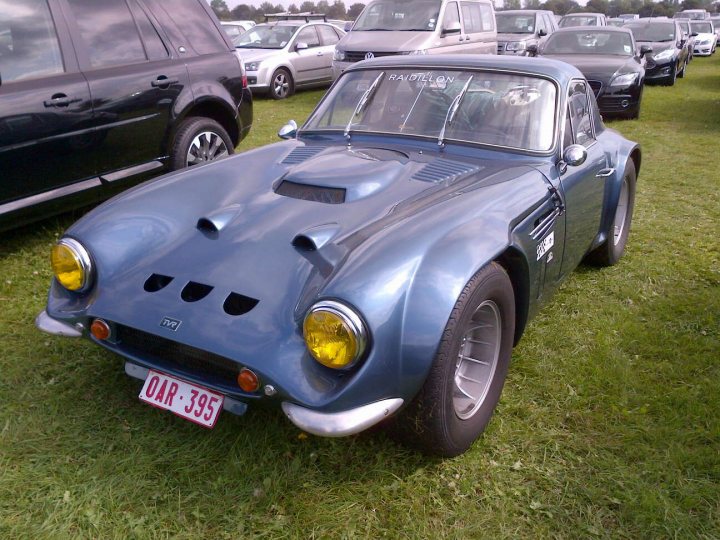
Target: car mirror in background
{"type": "Point", "coordinates": [542, 33]}
{"type": "Point", "coordinates": [694, 34]}
{"type": "Point", "coordinates": [300, 46]}
{"type": "Point", "coordinates": [645, 49]}
{"type": "Point", "coordinates": [532, 50]}
{"type": "Point", "coordinates": [452, 28]}
{"type": "Point", "coordinates": [288, 131]}
{"type": "Point", "coordinates": [348, 25]}
{"type": "Point", "coordinates": [575, 155]}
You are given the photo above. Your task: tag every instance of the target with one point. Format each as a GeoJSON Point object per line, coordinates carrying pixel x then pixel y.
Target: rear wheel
{"type": "Point", "coordinates": [197, 141]}
{"type": "Point", "coordinates": [610, 251]}
{"type": "Point", "coordinates": [467, 375]}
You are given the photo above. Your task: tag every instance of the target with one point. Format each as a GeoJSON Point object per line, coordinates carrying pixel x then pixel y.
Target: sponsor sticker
{"type": "Point", "coordinates": [546, 243]}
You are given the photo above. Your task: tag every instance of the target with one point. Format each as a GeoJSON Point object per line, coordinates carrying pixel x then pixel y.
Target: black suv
{"type": "Point", "coordinates": [95, 94]}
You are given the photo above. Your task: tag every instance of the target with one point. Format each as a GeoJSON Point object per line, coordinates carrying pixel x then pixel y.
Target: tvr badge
{"type": "Point", "coordinates": [545, 244]}
{"type": "Point", "coordinates": [170, 323]}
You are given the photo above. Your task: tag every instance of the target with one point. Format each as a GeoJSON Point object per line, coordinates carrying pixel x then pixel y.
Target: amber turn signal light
{"type": "Point", "coordinates": [100, 329]}
{"type": "Point", "coordinates": [248, 381]}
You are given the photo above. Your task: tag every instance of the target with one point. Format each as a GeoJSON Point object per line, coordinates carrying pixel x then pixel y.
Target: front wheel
{"type": "Point", "coordinates": [670, 80]}
{"type": "Point", "coordinates": [197, 141]}
{"type": "Point", "coordinates": [682, 71]}
{"type": "Point", "coordinates": [610, 251]}
{"type": "Point", "coordinates": [468, 372]}
{"type": "Point", "coordinates": [281, 85]}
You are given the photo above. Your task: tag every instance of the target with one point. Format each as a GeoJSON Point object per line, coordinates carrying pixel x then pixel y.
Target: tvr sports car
{"type": "Point", "coordinates": [377, 265]}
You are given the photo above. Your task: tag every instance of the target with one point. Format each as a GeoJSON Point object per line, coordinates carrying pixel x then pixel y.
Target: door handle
{"type": "Point", "coordinates": [604, 173]}
{"type": "Point", "coordinates": [60, 100]}
{"type": "Point", "coordinates": [163, 82]}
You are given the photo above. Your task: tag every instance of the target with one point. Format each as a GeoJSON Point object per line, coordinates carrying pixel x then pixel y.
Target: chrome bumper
{"type": "Point", "coordinates": [57, 328]}
{"type": "Point", "coordinates": [340, 424]}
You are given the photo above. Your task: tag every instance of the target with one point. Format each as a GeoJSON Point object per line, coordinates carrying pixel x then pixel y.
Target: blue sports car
{"type": "Point", "coordinates": [377, 265]}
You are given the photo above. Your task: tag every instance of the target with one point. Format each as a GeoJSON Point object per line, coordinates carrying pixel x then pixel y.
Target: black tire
{"type": "Point", "coordinates": [213, 143]}
{"type": "Point", "coordinates": [430, 421]}
{"type": "Point", "coordinates": [610, 251]}
{"type": "Point", "coordinates": [682, 72]}
{"type": "Point", "coordinates": [281, 84]}
{"type": "Point", "coordinates": [670, 80]}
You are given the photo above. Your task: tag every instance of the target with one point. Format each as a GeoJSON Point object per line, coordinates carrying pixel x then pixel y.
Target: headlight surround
{"type": "Point", "coordinates": [252, 66]}
{"type": "Point", "coordinates": [335, 335]}
{"type": "Point", "coordinates": [667, 54]}
{"type": "Point", "coordinates": [516, 46]}
{"type": "Point", "coordinates": [71, 265]}
{"type": "Point", "coordinates": [338, 55]}
{"type": "Point", "coordinates": [624, 80]}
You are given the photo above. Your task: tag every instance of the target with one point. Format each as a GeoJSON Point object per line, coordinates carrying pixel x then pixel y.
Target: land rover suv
{"type": "Point", "coordinates": [98, 94]}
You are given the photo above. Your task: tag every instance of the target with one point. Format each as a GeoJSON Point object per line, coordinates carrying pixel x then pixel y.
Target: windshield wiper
{"type": "Point", "coordinates": [452, 111]}
{"type": "Point", "coordinates": [362, 103]}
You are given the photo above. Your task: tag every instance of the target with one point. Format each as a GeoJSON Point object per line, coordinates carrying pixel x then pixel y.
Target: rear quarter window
{"type": "Point", "coordinates": [196, 25]}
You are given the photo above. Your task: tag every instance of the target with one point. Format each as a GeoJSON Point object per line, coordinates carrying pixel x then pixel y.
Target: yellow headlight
{"type": "Point", "coordinates": [70, 264]}
{"type": "Point", "coordinates": [333, 335]}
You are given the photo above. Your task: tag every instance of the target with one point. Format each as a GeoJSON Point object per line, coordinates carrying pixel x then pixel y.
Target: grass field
{"type": "Point", "coordinates": [609, 425]}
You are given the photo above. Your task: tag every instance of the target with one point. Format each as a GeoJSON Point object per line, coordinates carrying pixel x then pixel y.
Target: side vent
{"type": "Point", "coordinates": [306, 192]}
{"type": "Point", "coordinates": [156, 282]}
{"type": "Point", "coordinates": [238, 304]}
{"type": "Point", "coordinates": [300, 154]}
{"type": "Point", "coordinates": [206, 226]}
{"type": "Point", "coordinates": [192, 292]}
{"type": "Point", "coordinates": [442, 170]}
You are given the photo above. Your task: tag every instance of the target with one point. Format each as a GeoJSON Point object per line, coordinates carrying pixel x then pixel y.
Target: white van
{"type": "Point", "coordinates": [389, 27]}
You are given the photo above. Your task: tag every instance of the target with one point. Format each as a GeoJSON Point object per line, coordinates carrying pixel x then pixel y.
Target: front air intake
{"type": "Point", "coordinates": [306, 192]}
{"type": "Point", "coordinates": [193, 291]}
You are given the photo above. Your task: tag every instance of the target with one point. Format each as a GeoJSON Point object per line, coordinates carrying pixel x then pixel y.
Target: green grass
{"type": "Point", "coordinates": [609, 425]}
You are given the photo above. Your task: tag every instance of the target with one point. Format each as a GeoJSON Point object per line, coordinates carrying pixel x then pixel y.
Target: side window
{"type": "Point", "coordinates": [309, 36]}
{"type": "Point", "coordinates": [488, 17]}
{"type": "Point", "coordinates": [580, 113]}
{"type": "Point", "coordinates": [452, 15]}
{"type": "Point", "coordinates": [154, 46]}
{"type": "Point", "coordinates": [328, 35]}
{"type": "Point", "coordinates": [109, 32]}
{"type": "Point", "coordinates": [471, 17]}
{"type": "Point", "coordinates": [29, 45]}
{"type": "Point", "coordinates": [195, 24]}
{"type": "Point", "coordinates": [568, 135]}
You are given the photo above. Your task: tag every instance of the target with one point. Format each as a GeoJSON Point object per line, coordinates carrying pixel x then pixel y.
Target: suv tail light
{"type": "Point", "coordinates": [242, 68]}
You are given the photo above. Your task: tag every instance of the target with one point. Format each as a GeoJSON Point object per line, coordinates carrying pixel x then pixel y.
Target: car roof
{"type": "Point", "coordinates": [555, 69]}
{"type": "Point", "coordinates": [523, 11]}
{"type": "Point", "coordinates": [615, 29]}
{"type": "Point", "coordinates": [584, 14]}
{"type": "Point", "coordinates": [651, 20]}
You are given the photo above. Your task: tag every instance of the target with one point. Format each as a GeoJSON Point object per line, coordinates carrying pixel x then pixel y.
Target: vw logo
{"type": "Point", "coordinates": [369, 56]}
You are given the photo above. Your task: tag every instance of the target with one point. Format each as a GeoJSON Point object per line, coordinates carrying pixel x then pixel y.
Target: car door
{"type": "Point", "coordinates": [452, 35]}
{"type": "Point", "coordinates": [45, 107]}
{"type": "Point", "coordinates": [309, 63]}
{"type": "Point", "coordinates": [134, 82]}
{"type": "Point", "coordinates": [583, 185]}
{"type": "Point", "coordinates": [329, 38]}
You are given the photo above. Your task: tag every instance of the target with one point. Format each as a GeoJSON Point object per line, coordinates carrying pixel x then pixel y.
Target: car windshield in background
{"type": "Point", "coordinates": [701, 27]}
{"type": "Point", "coordinates": [266, 37]}
{"type": "Point", "coordinates": [685, 25]}
{"type": "Point", "coordinates": [400, 15]}
{"type": "Point", "coordinates": [499, 109]}
{"type": "Point", "coordinates": [510, 23]}
{"type": "Point", "coordinates": [578, 20]}
{"type": "Point", "coordinates": [653, 32]}
{"type": "Point", "coordinates": [593, 42]}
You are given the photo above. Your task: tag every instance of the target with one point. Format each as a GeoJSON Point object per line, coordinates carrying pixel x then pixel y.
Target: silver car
{"type": "Point", "coordinates": [282, 56]}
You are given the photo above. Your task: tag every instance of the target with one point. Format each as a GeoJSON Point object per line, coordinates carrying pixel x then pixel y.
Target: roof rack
{"type": "Point", "coordinates": [307, 17]}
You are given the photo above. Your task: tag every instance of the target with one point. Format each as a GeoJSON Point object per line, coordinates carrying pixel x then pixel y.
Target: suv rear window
{"type": "Point", "coordinates": [28, 41]}
{"type": "Point", "coordinates": [196, 25]}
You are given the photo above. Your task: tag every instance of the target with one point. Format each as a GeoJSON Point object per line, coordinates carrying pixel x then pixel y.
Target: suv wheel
{"type": "Point", "coordinates": [281, 85]}
{"type": "Point", "coordinates": [198, 141]}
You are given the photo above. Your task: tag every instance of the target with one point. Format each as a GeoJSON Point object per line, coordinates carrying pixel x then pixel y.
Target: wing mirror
{"type": "Point", "coordinates": [575, 155]}
{"type": "Point", "coordinates": [301, 46]}
{"type": "Point", "coordinates": [542, 33]}
{"type": "Point", "coordinates": [532, 50]}
{"type": "Point", "coordinates": [645, 49]}
{"type": "Point", "coordinates": [452, 28]}
{"type": "Point", "coordinates": [694, 34]}
{"type": "Point", "coordinates": [348, 25]}
{"type": "Point", "coordinates": [288, 131]}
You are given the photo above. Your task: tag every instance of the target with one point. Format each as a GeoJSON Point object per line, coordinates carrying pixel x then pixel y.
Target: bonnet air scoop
{"type": "Point", "coordinates": [216, 221]}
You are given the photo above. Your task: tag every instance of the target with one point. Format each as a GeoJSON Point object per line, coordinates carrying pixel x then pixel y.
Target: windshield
{"type": "Point", "coordinates": [399, 15]}
{"type": "Point", "coordinates": [589, 42]}
{"type": "Point", "coordinates": [615, 22]}
{"type": "Point", "coordinates": [501, 109]}
{"type": "Point", "coordinates": [578, 20]}
{"type": "Point", "coordinates": [653, 32]}
{"type": "Point", "coordinates": [266, 37]}
{"type": "Point", "coordinates": [513, 23]}
{"type": "Point", "coordinates": [702, 27]}
{"type": "Point", "coordinates": [685, 25]}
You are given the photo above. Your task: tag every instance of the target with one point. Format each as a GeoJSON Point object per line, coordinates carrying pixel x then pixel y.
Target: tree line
{"type": "Point", "coordinates": [244, 12]}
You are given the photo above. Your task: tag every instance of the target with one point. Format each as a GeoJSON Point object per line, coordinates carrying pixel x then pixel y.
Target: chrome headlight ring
{"type": "Point", "coordinates": [84, 259]}
{"type": "Point", "coordinates": [350, 318]}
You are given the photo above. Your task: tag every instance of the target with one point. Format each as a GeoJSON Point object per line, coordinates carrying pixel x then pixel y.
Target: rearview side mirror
{"type": "Point", "coordinates": [645, 49]}
{"type": "Point", "coordinates": [532, 50]}
{"type": "Point", "coordinates": [300, 46]}
{"type": "Point", "coordinates": [452, 28]}
{"type": "Point", "coordinates": [348, 25]}
{"type": "Point", "coordinates": [542, 33]}
{"type": "Point", "coordinates": [694, 34]}
{"type": "Point", "coordinates": [288, 131]}
{"type": "Point", "coordinates": [575, 155]}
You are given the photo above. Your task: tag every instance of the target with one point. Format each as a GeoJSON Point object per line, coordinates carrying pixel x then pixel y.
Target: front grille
{"type": "Point", "coordinates": [176, 356]}
{"type": "Point", "coordinates": [356, 56]}
{"type": "Point", "coordinates": [596, 87]}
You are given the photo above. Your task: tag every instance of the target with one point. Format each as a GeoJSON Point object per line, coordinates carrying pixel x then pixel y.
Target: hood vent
{"type": "Point", "coordinates": [156, 282]}
{"type": "Point", "coordinates": [300, 154]}
{"type": "Point", "coordinates": [238, 304]}
{"type": "Point", "coordinates": [306, 192]}
{"type": "Point", "coordinates": [442, 170]}
{"type": "Point", "coordinates": [193, 291]}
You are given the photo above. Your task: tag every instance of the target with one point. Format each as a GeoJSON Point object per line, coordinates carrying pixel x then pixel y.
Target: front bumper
{"type": "Point", "coordinates": [659, 71]}
{"type": "Point", "coordinates": [52, 326]}
{"type": "Point", "coordinates": [341, 424]}
{"type": "Point", "coordinates": [703, 50]}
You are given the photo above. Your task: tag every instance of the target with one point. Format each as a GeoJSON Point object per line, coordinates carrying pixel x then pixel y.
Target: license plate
{"type": "Point", "coordinates": [185, 399]}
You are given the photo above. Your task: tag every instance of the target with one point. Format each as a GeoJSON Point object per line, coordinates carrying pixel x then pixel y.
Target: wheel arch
{"type": "Point", "coordinates": [216, 110]}
{"type": "Point", "coordinates": [515, 264]}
